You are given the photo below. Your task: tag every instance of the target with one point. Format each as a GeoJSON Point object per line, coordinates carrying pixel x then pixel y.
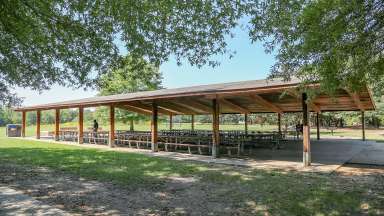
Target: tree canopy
{"type": "Point", "coordinates": [339, 43]}
{"type": "Point", "coordinates": [131, 74]}
{"type": "Point", "coordinates": [73, 42]}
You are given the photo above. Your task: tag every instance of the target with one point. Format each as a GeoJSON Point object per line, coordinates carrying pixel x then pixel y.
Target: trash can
{"type": "Point", "coordinates": [13, 130]}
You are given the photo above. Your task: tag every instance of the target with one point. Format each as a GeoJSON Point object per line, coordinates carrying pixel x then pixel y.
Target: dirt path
{"type": "Point", "coordinates": [13, 202]}
{"type": "Point", "coordinates": [176, 196]}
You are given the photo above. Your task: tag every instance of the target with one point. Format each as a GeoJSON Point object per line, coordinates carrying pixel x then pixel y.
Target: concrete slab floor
{"type": "Point", "coordinates": [327, 155]}
{"type": "Point", "coordinates": [372, 155]}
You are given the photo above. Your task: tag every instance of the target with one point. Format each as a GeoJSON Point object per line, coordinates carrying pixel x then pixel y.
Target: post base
{"type": "Point", "coordinates": [214, 151]}
{"type": "Point", "coordinates": [306, 159]}
{"type": "Point", "coordinates": [154, 147]}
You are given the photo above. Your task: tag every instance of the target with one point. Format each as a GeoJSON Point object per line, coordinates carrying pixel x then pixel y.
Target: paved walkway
{"type": "Point", "coordinates": [373, 155]}
{"type": "Point", "coordinates": [13, 202]}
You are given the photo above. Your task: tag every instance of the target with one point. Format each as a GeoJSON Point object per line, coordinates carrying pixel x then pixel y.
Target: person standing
{"type": "Point", "coordinates": [94, 130]}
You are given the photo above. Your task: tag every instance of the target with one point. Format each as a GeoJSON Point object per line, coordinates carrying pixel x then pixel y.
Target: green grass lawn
{"type": "Point", "coordinates": [248, 190]}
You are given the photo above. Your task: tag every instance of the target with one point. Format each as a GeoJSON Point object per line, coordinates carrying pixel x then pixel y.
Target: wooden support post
{"type": "Point", "coordinates": [193, 122]}
{"type": "Point", "coordinates": [57, 124]}
{"type": "Point", "coordinates": [215, 127]}
{"type": "Point", "coordinates": [23, 123]}
{"type": "Point", "coordinates": [318, 125]}
{"type": "Point", "coordinates": [38, 120]}
{"type": "Point", "coordinates": [306, 133]}
{"type": "Point", "coordinates": [170, 122]}
{"type": "Point", "coordinates": [111, 141]}
{"type": "Point", "coordinates": [246, 123]}
{"type": "Point", "coordinates": [131, 124]}
{"type": "Point", "coordinates": [154, 145]}
{"type": "Point", "coordinates": [363, 124]}
{"type": "Point", "coordinates": [279, 122]}
{"type": "Point", "coordinates": [80, 135]}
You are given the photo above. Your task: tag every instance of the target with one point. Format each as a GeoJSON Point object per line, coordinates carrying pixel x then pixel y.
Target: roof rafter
{"type": "Point", "coordinates": [356, 99]}
{"type": "Point", "coordinates": [148, 108]}
{"type": "Point", "coordinates": [233, 105]}
{"type": "Point", "coordinates": [175, 108]}
{"type": "Point", "coordinates": [265, 103]}
{"type": "Point", "coordinates": [196, 105]}
{"type": "Point", "coordinates": [134, 109]}
{"type": "Point", "coordinates": [294, 93]}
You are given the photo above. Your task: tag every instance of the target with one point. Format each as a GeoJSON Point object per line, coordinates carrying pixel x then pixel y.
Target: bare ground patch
{"type": "Point", "coordinates": [175, 196]}
{"type": "Point", "coordinates": [243, 192]}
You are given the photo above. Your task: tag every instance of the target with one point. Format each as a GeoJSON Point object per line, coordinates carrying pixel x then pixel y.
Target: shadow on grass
{"type": "Point", "coordinates": [216, 189]}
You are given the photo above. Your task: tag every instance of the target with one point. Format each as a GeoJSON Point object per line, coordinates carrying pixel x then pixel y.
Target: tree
{"type": "Point", "coordinates": [5, 116]}
{"type": "Point", "coordinates": [72, 43]}
{"type": "Point", "coordinates": [338, 43]}
{"type": "Point", "coordinates": [130, 75]}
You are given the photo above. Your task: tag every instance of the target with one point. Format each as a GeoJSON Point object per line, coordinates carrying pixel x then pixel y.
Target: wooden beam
{"type": "Point", "coordinates": [57, 124]}
{"type": "Point", "coordinates": [80, 138]}
{"type": "Point", "coordinates": [148, 108]}
{"type": "Point", "coordinates": [363, 124]}
{"type": "Point", "coordinates": [134, 109]}
{"type": "Point", "coordinates": [215, 127]}
{"type": "Point", "coordinates": [175, 108]}
{"type": "Point", "coordinates": [246, 123]}
{"type": "Point", "coordinates": [38, 120]}
{"type": "Point", "coordinates": [23, 123]}
{"type": "Point", "coordinates": [306, 133]}
{"type": "Point", "coordinates": [267, 104]}
{"type": "Point", "coordinates": [194, 105]}
{"type": "Point", "coordinates": [111, 141]}
{"type": "Point", "coordinates": [314, 107]}
{"type": "Point", "coordinates": [154, 144]}
{"type": "Point", "coordinates": [318, 126]}
{"type": "Point", "coordinates": [294, 93]}
{"type": "Point", "coordinates": [192, 122]}
{"type": "Point", "coordinates": [279, 122]}
{"type": "Point", "coordinates": [356, 99]}
{"type": "Point", "coordinates": [233, 106]}
{"type": "Point", "coordinates": [170, 122]}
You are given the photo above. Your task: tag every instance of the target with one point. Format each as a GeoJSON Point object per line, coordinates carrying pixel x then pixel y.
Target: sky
{"type": "Point", "coordinates": [249, 63]}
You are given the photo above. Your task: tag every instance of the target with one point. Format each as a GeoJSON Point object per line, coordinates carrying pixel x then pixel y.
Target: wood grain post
{"type": "Point", "coordinates": [318, 125]}
{"type": "Point", "coordinates": [57, 124]}
{"type": "Point", "coordinates": [154, 144]}
{"type": "Point", "coordinates": [80, 134]}
{"type": "Point", "coordinates": [279, 122]}
{"type": "Point", "coordinates": [193, 122]}
{"type": "Point", "coordinates": [215, 127]}
{"type": "Point", "coordinates": [170, 122]}
{"type": "Point", "coordinates": [38, 120]}
{"type": "Point", "coordinates": [131, 124]}
{"type": "Point", "coordinates": [111, 141]}
{"type": "Point", "coordinates": [23, 123]}
{"type": "Point", "coordinates": [306, 133]}
{"type": "Point", "coordinates": [246, 123]}
{"type": "Point", "coordinates": [363, 124]}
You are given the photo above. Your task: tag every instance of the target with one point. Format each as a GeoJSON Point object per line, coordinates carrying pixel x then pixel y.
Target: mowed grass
{"type": "Point", "coordinates": [251, 191]}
